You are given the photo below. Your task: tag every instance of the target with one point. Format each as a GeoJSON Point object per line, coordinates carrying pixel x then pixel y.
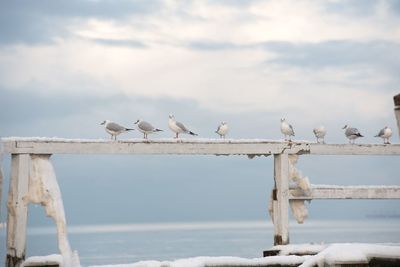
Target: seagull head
{"type": "Point", "coordinates": [223, 123]}
{"type": "Point", "coordinates": [283, 119]}
{"type": "Point", "coordinates": [171, 116]}
{"type": "Point", "coordinates": [344, 127]}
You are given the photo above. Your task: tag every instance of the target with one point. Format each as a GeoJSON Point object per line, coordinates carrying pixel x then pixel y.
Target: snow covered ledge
{"type": "Point", "coordinates": [33, 180]}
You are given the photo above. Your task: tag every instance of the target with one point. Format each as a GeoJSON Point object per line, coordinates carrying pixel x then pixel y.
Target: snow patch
{"type": "Point", "coordinates": [216, 261]}
{"type": "Point", "coordinates": [158, 140]}
{"type": "Point", "coordinates": [44, 260]}
{"type": "Point", "coordinates": [299, 249]}
{"type": "Point", "coordinates": [352, 253]}
{"type": "Point", "coordinates": [327, 186]}
{"type": "Point", "coordinates": [320, 255]}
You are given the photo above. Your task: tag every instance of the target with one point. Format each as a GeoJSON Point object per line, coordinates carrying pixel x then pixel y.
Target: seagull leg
{"type": "Point", "coordinates": [177, 135]}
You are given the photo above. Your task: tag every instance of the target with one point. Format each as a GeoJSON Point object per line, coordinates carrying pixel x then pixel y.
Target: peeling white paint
{"type": "Point", "coordinates": [44, 190]}
{"type": "Point", "coordinates": [298, 207]}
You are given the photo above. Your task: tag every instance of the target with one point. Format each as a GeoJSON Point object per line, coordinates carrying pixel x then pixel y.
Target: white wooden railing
{"type": "Point", "coordinates": [23, 150]}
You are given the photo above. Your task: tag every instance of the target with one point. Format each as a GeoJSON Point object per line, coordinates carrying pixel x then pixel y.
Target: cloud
{"type": "Point", "coordinates": [336, 53]}
{"type": "Point", "coordinates": [256, 56]}
{"type": "Point", "coordinates": [41, 22]}
{"type": "Point", "coordinates": [112, 42]}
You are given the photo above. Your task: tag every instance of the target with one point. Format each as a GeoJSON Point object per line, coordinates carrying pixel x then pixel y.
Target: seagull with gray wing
{"type": "Point", "coordinates": [146, 128]}
{"type": "Point", "coordinates": [287, 130]}
{"type": "Point", "coordinates": [222, 129]}
{"type": "Point", "coordinates": [352, 133]}
{"type": "Point", "coordinates": [177, 127]}
{"type": "Point", "coordinates": [385, 134]}
{"type": "Point", "coordinates": [114, 129]}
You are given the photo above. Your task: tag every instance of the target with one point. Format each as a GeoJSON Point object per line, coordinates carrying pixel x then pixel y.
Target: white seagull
{"type": "Point", "coordinates": [177, 127]}
{"type": "Point", "coordinates": [222, 129]}
{"type": "Point", "coordinates": [146, 128]}
{"type": "Point", "coordinates": [352, 133]}
{"type": "Point", "coordinates": [385, 134]}
{"type": "Point", "coordinates": [114, 129]}
{"type": "Point", "coordinates": [320, 133]}
{"type": "Point", "coordinates": [286, 129]}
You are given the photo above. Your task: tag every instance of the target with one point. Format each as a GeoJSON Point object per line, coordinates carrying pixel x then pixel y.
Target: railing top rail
{"type": "Point", "coordinates": [251, 147]}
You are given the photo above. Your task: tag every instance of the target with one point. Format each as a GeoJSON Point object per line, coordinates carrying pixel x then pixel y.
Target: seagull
{"type": "Point", "coordinates": [286, 129]}
{"type": "Point", "coordinates": [352, 133]}
{"type": "Point", "coordinates": [222, 129]}
{"type": "Point", "coordinates": [114, 128]}
{"type": "Point", "coordinates": [385, 134]}
{"type": "Point", "coordinates": [178, 127]}
{"type": "Point", "coordinates": [320, 133]}
{"type": "Point", "coordinates": [146, 128]}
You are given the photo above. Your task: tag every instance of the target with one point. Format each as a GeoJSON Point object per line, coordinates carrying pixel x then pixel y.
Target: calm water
{"type": "Point", "coordinates": [114, 244]}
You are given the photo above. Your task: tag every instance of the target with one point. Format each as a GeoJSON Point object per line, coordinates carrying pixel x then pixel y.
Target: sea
{"type": "Point", "coordinates": [129, 243]}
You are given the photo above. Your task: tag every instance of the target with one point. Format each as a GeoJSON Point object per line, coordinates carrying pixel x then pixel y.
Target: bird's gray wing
{"type": "Point", "coordinates": [145, 126]}
{"type": "Point", "coordinates": [315, 131]}
{"type": "Point", "coordinates": [219, 128]}
{"type": "Point", "coordinates": [291, 128]}
{"type": "Point", "coordinates": [112, 126]}
{"type": "Point", "coordinates": [352, 131]}
{"type": "Point", "coordinates": [180, 125]}
{"type": "Point", "coordinates": [381, 132]}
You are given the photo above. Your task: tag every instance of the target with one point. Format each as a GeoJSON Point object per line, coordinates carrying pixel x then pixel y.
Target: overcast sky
{"type": "Point", "coordinates": [65, 66]}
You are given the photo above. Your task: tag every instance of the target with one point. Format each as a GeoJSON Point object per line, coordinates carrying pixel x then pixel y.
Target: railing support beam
{"type": "Point", "coordinates": [281, 201]}
{"type": "Point", "coordinates": [17, 210]}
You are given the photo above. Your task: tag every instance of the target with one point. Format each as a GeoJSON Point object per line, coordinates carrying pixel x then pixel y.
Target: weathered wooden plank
{"type": "Point", "coordinates": [348, 192]}
{"type": "Point", "coordinates": [17, 210]}
{"type": "Point", "coordinates": [396, 99]}
{"type": "Point", "coordinates": [281, 215]}
{"type": "Point", "coordinates": [191, 147]}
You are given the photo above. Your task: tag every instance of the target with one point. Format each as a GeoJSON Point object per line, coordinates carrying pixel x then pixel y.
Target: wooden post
{"type": "Point", "coordinates": [17, 210]}
{"type": "Point", "coordinates": [1, 175]}
{"type": "Point", "coordinates": [396, 99]}
{"type": "Point", "coordinates": [281, 204]}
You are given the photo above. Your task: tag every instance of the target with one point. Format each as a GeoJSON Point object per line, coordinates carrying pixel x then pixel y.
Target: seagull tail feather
{"type": "Point", "coordinates": [192, 133]}
{"type": "Point", "coordinates": [158, 130]}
